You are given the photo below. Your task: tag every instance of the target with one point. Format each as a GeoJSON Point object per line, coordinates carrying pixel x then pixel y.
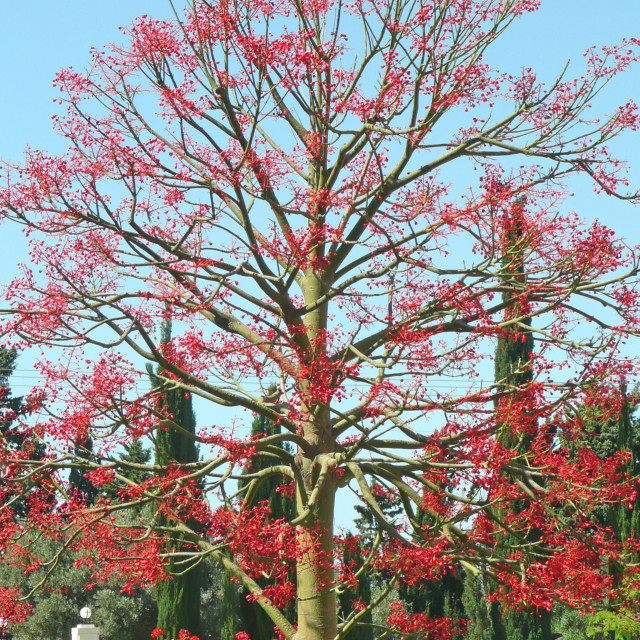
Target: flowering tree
{"type": "Point", "coordinates": [319, 197]}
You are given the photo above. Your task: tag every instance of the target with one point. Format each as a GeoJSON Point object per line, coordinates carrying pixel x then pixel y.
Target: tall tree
{"type": "Point", "coordinates": [517, 421]}
{"type": "Point", "coordinates": [10, 406]}
{"type": "Point", "coordinates": [178, 597]}
{"type": "Point", "coordinates": [17, 442]}
{"type": "Point", "coordinates": [624, 519]}
{"type": "Point", "coordinates": [606, 426]}
{"type": "Point", "coordinates": [229, 609]}
{"type": "Point", "coordinates": [258, 171]}
{"type": "Point", "coordinates": [353, 597]}
{"type": "Point", "coordinates": [441, 595]}
{"type": "Point", "coordinates": [609, 428]}
{"type": "Point", "coordinates": [80, 487]}
{"type": "Point", "coordinates": [272, 490]}
{"type": "Point", "coordinates": [485, 621]}
{"type": "Point", "coordinates": [137, 458]}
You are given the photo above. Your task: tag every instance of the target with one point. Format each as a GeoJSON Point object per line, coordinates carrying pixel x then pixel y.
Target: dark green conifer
{"type": "Point", "coordinates": [512, 375]}
{"type": "Point", "coordinates": [484, 617]}
{"type": "Point", "coordinates": [134, 453]}
{"type": "Point", "coordinates": [437, 598]}
{"type": "Point", "coordinates": [354, 558]}
{"type": "Point", "coordinates": [80, 486]}
{"type": "Point", "coordinates": [13, 439]}
{"type": "Point", "coordinates": [607, 431]}
{"type": "Point", "coordinates": [253, 620]}
{"type": "Point", "coordinates": [229, 609]}
{"type": "Point", "coordinates": [366, 523]}
{"type": "Point", "coordinates": [625, 520]}
{"type": "Point", "coordinates": [178, 598]}
{"type": "Point", "coordinates": [10, 406]}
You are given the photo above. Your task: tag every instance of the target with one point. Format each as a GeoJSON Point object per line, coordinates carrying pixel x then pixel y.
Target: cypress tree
{"type": "Point", "coordinates": [437, 598]}
{"type": "Point", "coordinates": [178, 598]}
{"type": "Point", "coordinates": [512, 375]}
{"type": "Point", "coordinates": [607, 432]}
{"type": "Point", "coordinates": [485, 620]}
{"type": "Point", "coordinates": [81, 487]}
{"type": "Point", "coordinates": [134, 453]}
{"type": "Point", "coordinates": [367, 527]}
{"type": "Point", "coordinates": [229, 609]}
{"type": "Point", "coordinates": [353, 557]}
{"type": "Point", "coordinates": [13, 439]}
{"type": "Point", "coordinates": [10, 407]}
{"type": "Point", "coordinates": [253, 620]}
{"type": "Point", "coordinates": [515, 343]}
{"type": "Point", "coordinates": [366, 523]}
{"type": "Point", "coordinates": [280, 505]}
{"type": "Point", "coordinates": [625, 521]}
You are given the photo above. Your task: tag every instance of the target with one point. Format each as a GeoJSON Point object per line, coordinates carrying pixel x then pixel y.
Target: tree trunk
{"type": "Point", "coordinates": [317, 611]}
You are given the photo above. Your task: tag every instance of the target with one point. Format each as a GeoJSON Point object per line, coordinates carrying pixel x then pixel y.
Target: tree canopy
{"type": "Point", "coordinates": [318, 195]}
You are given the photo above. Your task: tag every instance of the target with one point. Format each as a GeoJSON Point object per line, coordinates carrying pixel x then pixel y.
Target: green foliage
{"type": "Point", "coordinates": [57, 605]}
{"type": "Point", "coordinates": [252, 619]}
{"type": "Point", "coordinates": [178, 597]}
{"type": "Point", "coordinates": [280, 505]}
{"type": "Point", "coordinates": [10, 407]}
{"type": "Point", "coordinates": [366, 523]}
{"type": "Point", "coordinates": [513, 353]}
{"type": "Point", "coordinates": [134, 453]}
{"type": "Point", "coordinates": [484, 619]}
{"type": "Point", "coordinates": [608, 429]}
{"type": "Point", "coordinates": [437, 598]}
{"type": "Point", "coordinates": [173, 444]}
{"type": "Point", "coordinates": [614, 625]}
{"type": "Point", "coordinates": [229, 609]}
{"type": "Point", "coordinates": [13, 438]}
{"type": "Point", "coordinates": [513, 372]}
{"type": "Point", "coordinates": [80, 486]}
{"type": "Point", "coordinates": [569, 624]}
{"type": "Point", "coordinates": [381, 613]}
{"type": "Point", "coordinates": [178, 600]}
{"type": "Point", "coordinates": [515, 345]}
{"type": "Point", "coordinates": [607, 432]}
{"type": "Point", "coordinates": [354, 559]}
{"type": "Point", "coordinates": [527, 624]}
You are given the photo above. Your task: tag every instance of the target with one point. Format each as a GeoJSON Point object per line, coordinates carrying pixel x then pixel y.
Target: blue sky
{"type": "Point", "coordinates": [36, 43]}
{"type": "Point", "coordinates": [42, 36]}
{"type": "Point", "coordinates": [53, 34]}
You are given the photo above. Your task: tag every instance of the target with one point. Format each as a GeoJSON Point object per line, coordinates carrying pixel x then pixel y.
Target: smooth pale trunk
{"type": "Point", "coordinates": [317, 611]}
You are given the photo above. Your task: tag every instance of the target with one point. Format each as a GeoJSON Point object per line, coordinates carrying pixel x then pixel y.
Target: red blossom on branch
{"type": "Point", "coordinates": [297, 212]}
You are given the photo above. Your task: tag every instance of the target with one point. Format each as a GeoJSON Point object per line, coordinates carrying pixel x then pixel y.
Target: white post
{"type": "Point", "coordinates": [85, 632]}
